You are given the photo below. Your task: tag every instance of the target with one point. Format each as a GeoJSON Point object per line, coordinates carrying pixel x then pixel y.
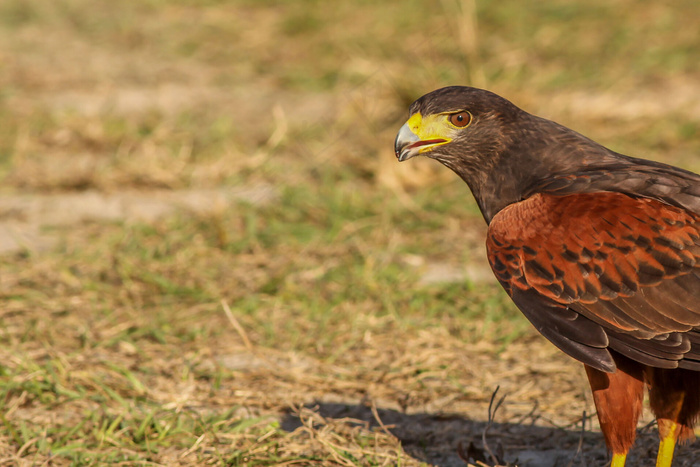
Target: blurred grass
{"type": "Point", "coordinates": [114, 342]}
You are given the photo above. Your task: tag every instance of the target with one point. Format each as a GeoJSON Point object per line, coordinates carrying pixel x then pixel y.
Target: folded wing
{"type": "Point", "coordinates": [603, 270]}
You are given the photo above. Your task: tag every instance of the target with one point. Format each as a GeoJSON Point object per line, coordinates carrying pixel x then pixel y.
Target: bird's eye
{"type": "Point", "coordinates": [460, 119]}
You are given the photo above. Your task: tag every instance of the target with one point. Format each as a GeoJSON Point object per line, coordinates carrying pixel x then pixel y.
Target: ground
{"type": "Point", "coordinates": [209, 254]}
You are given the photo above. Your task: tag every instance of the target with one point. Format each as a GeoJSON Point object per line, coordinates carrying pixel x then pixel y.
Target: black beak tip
{"type": "Point", "coordinates": [404, 144]}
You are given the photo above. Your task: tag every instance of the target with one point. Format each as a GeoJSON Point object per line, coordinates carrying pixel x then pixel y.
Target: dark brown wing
{"type": "Point", "coordinates": [643, 178]}
{"type": "Point", "coordinates": [603, 270]}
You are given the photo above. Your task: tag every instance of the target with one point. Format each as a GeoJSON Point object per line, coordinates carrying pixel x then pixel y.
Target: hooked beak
{"type": "Point", "coordinates": [408, 144]}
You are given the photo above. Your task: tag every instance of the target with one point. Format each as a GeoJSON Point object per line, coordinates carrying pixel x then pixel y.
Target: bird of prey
{"type": "Point", "coordinates": [600, 251]}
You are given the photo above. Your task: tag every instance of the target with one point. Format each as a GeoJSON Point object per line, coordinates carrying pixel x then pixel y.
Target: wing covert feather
{"type": "Point", "coordinates": [630, 266]}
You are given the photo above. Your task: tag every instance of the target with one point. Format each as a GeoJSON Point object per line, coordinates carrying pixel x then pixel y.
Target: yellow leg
{"type": "Point", "coordinates": [666, 447]}
{"type": "Point", "coordinates": [618, 460]}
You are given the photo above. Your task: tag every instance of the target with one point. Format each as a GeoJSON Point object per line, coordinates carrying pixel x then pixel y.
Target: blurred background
{"type": "Point", "coordinates": [211, 255]}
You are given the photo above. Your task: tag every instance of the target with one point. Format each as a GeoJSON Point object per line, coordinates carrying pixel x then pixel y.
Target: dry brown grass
{"type": "Point", "coordinates": [164, 162]}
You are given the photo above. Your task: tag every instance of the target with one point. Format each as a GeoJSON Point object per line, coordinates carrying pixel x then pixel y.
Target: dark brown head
{"type": "Point", "coordinates": [468, 130]}
{"type": "Point", "coordinates": [500, 150]}
{"type": "Point", "coordinates": [457, 123]}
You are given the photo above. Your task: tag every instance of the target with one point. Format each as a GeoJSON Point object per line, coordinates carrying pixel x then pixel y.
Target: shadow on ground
{"type": "Point", "coordinates": [439, 439]}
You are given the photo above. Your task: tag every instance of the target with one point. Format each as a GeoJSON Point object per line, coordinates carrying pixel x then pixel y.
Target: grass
{"type": "Point", "coordinates": [115, 342]}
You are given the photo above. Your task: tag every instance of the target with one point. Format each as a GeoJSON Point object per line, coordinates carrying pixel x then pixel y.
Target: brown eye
{"type": "Point", "coordinates": [460, 119]}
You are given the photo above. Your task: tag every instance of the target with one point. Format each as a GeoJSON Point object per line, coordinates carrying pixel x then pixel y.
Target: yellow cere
{"type": "Point", "coordinates": [430, 128]}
